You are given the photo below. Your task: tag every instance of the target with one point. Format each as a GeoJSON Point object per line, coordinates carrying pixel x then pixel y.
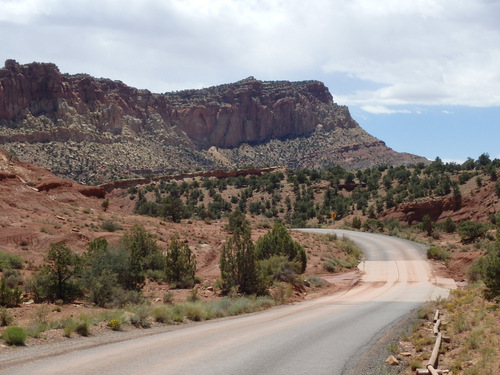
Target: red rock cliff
{"type": "Point", "coordinates": [224, 116]}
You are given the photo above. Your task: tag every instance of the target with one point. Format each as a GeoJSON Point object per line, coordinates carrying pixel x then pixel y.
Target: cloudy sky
{"type": "Point", "coordinates": [422, 75]}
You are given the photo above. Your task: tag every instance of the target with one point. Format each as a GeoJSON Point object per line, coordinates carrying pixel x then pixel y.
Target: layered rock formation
{"type": "Point", "coordinates": [88, 128]}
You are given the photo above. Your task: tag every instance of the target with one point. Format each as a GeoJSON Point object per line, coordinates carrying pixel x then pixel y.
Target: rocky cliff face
{"type": "Point", "coordinates": [102, 127]}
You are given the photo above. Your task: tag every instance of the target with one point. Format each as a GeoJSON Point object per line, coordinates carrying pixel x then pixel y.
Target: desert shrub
{"type": "Point", "coordinates": [449, 225]}
{"type": "Point", "coordinates": [329, 265]}
{"type": "Point", "coordinates": [10, 261]}
{"type": "Point", "coordinates": [373, 225]}
{"type": "Point", "coordinates": [140, 316]}
{"type": "Point", "coordinates": [105, 204]}
{"type": "Point", "coordinates": [392, 224]}
{"type": "Point", "coordinates": [82, 326]}
{"type": "Point", "coordinates": [350, 247]}
{"type": "Point", "coordinates": [110, 226]}
{"type": "Point", "coordinates": [438, 253]}
{"type": "Point", "coordinates": [6, 318]}
{"type": "Point", "coordinates": [156, 275]}
{"type": "Point", "coordinates": [68, 325]}
{"type": "Point", "coordinates": [279, 268]}
{"type": "Point", "coordinates": [464, 177]}
{"type": "Point", "coordinates": [106, 272]}
{"type": "Point", "coordinates": [163, 314]}
{"type": "Point", "coordinates": [14, 336]}
{"type": "Point", "coordinates": [102, 289]}
{"type": "Point", "coordinates": [168, 297]}
{"type": "Point", "coordinates": [491, 272]}
{"type": "Point", "coordinates": [195, 311]}
{"type": "Point", "coordinates": [281, 292]}
{"type": "Point", "coordinates": [115, 325]}
{"type": "Point", "coordinates": [12, 277]}
{"type": "Point", "coordinates": [356, 222]}
{"type": "Point", "coordinates": [346, 263]}
{"type": "Point", "coordinates": [315, 281]}
{"type": "Point", "coordinates": [279, 242]}
{"type": "Point", "coordinates": [9, 296]}
{"type": "Point", "coordinates": [193, 296]}
{"type": "Point", "coordinates": [475, 271]}
{"type": "Point", "coordinates": [470, 231]}
{"type": "Point", "coordinates": [127, 297]}
{"type": "Point", "coordinates": [427, 225]}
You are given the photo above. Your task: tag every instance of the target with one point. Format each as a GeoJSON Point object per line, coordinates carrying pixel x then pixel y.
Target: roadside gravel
{"type": "Point", "coordinates": [371, 359]}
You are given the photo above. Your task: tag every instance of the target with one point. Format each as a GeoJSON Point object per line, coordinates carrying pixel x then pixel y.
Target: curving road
{"type": "Point", "coordinates": [322, 336]}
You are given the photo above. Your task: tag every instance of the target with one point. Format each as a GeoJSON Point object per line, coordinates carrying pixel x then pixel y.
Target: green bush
{"type": "Point", "coordinates": [491, 272]}
{"type": "Point", "coordinates": [315, 281]}
{"type": "Point", "coordinates": [427, 225]}
{"type": "Point", "coordinates": [279, 242]}
{"type": "Point", "coordinates": [350, 247]}
{"type": "Point", "coordinates": [470, 231]}
{"type": "Point", "coordinates": [9, 296]}
{"type": "Point", "coordinates": [6, 318]}
{"type": "Point", "coordinates": [106, 273]}
{"type": "Point", "coordinates": [13, 277]}
{"type": "Point", "coordinates": [127, 297]}
{"type": "Point", "coordinates": [163, 314]}
{"type": "Point", "coordinates": [475, 271]}
{"type": "Point", "coordinates": [449, 225]}
{"type": "Point", "coordinates": [10, 261]}
{"type": "Point", "coordinates": [68, 325]}
{"type": "Point", "coordinates": [102, 289]}
{"type": "Point", "coordinates": [437, 253]}
{"type": "Point", "coordinates": [279, 268]}
{"type": "Point", "coordinates": [110, 226]}
{"type": "Point", "coordinates": [115, 325]}
{"type": "Point", "coordinates": [14, 336]}
{"type": "Point", "coordinates": [373, 225]}
{"type": "Point", "coordinates": [83, 326]}
{"type": "Point", "coordinates": [356, 222]}
{"type": "Point", "coordinates": [329, 265]}
{"type": "Point", "coordinates": [140, 316]}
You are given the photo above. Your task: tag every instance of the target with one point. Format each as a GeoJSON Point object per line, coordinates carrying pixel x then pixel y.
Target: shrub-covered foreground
{"type": "Point", "coordinates": [139, 316]}
{"type": "Point", "coordinates": [473, 325]}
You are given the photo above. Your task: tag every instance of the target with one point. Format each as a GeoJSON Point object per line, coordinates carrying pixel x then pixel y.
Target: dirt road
{"type": "Point", "coordinates": [323, 336]}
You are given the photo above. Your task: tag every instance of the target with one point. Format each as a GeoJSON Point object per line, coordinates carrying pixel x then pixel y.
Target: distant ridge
{"type": "Point", "coordinates": [97, 130]}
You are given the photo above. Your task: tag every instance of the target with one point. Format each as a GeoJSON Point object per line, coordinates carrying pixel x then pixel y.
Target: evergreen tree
{"type": "Point", "coordinates": [180, 263]}
{"type": "Point", "coordinates": [143, 254]}
{"type": "Point", "coordinates": [238, 264]}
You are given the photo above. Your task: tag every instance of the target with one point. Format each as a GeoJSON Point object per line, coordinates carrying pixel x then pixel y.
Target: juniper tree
{"type": "Point", "coordinates": [238, 264]}
{"type": "Point", "coordinates": [180, 263]}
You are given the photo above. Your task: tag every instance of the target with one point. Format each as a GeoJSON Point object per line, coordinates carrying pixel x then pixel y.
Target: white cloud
{"type": "Point", "coordinates": [422, 52]}
{"type": "Point", "coordinates": [456, 161]}
{"type": "Point", "coordinates": [380, 109]}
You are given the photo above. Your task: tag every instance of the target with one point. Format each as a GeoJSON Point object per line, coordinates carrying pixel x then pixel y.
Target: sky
{"type": "Point", "coordinates": [421, 75]}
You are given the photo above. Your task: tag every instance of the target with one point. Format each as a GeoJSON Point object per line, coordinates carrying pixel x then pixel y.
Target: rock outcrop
{"type": "Point", "coordinates": [76, 118]}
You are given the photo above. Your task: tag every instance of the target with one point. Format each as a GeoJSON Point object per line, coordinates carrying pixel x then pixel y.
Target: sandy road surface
{"type": "Point", "coordinates": [323, 336]}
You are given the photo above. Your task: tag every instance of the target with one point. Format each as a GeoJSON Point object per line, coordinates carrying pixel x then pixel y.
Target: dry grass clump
{"type": "Point", "coordinates": [473, 325]}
